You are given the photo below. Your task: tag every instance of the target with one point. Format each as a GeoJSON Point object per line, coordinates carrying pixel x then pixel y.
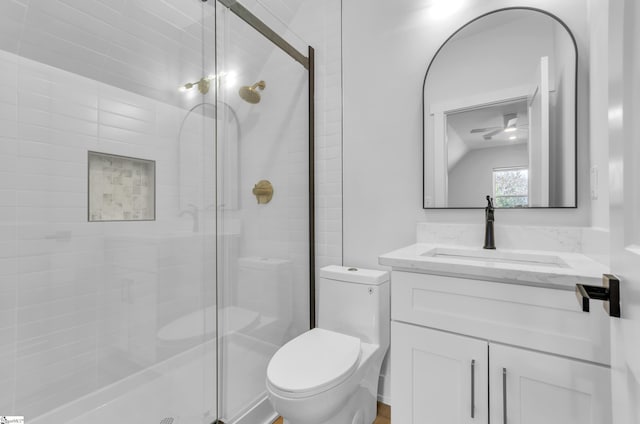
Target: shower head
{"type": "Point", "coordinates": [251, 94]}
{"type": "Point", "coordinates": [203, 85]}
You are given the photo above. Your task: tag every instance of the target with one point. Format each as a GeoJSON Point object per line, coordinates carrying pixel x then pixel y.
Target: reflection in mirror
{"type": "Point", "coordinates": [499, 114]}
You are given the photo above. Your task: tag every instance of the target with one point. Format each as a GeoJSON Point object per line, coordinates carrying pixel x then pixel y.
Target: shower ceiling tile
{"type": "Point", "coordinates": [125, 77]}
{"type": "Point", "coordinates": [151, 64]}
{"type": "Point", "coordinates": [60, 21]}
{"type": "Point", "coordinates": [285, 11]}
{"type": "Point", "coordinates": [12, 15]}
{"type": "Point", "coordinates": [140, 14]}
{"type": "Point", "coordinates": [143, 39]}
{"type": "Point", "coordinates": [125, 97]}
{"type": "Point", "coordinates": [33, 47]}
{"type": "Point", "coordinates": [144, 46]}
{"type": "Point", "coordinates": [179, 17]}
{"type": "Point", "coordinates": [61, 59]}
{"type": "Point", "coordinates": [9, 36]}
{"type": "Point", "coordinates": [109, 12]}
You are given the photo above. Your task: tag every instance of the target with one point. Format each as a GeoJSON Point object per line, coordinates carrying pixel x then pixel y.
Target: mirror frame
{"type": "Point", "coordinates": [575, 123]}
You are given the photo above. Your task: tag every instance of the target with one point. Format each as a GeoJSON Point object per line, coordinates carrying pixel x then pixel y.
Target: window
{"type": "Point", "coordinates": [511, 187]}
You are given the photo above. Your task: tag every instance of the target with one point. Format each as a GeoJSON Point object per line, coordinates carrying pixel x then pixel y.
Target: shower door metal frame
{"type": "Point", "coordinates": [251, 19]}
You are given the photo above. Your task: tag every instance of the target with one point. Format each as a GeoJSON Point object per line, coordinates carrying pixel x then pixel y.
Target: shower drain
{"type": "Point", "coordinates": [168, 420]}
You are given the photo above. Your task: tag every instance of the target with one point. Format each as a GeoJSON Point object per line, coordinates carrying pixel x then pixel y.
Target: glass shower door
{"type": "Point", "coordinates": [263, 225]}
{"type": "Point", "coordinates": [107, 212]}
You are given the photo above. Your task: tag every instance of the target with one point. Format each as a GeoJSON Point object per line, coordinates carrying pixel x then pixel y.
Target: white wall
{"type": "Point", "coordinates": [599, 104]}
{"type": "Point", "coordinates": [382, 122]}
{"type": "Point", "coordinates": [386, 51]}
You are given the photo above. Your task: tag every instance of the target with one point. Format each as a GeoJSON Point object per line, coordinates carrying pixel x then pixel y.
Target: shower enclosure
{"type": "Point", "coordinates": [156, 209]}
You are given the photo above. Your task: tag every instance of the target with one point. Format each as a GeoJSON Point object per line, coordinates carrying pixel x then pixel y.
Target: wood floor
{"type": "Point", "coordinates": [384, 415]}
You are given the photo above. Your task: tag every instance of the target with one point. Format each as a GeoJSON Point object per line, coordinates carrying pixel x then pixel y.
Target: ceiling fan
{"type": "Point", "coordinates": [510, 125]}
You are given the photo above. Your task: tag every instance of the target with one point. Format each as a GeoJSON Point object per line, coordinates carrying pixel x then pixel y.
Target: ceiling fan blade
{"type": "Point", "coordinates": [492, 133]}
{"type": "Point", "coordinates": [479, 130]}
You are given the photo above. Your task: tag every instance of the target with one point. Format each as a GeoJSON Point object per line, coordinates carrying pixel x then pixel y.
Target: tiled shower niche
{"type": "Point", "coordinates": [121, 188]}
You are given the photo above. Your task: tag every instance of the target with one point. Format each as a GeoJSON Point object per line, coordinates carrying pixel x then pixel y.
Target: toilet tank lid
{"type": "Point", "coordinates": [257, 262]}
{"type": "Point", "coordinates": [354, 275]}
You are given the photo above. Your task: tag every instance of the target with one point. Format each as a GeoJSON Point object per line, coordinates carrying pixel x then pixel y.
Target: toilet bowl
{"type": "Point", "coordinates": [330, 374]}
{"type": "Point", "coordinates": [195, 327]}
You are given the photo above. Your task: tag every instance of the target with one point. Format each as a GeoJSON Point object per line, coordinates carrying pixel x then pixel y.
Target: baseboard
{"type": "Point", "coordinates": [261, 413]}
{"type": "Point", "coordinates": [384, 389]}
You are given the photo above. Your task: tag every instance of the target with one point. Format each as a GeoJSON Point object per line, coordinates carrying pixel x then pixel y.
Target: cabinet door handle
{"type": "Point", "coordinates": [473, 387]}
{"type": "Point", "coordinates": [504, 395]}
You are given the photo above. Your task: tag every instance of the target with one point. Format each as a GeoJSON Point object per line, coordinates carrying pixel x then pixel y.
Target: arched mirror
{"type": "Point", "coordinates": [499, 105]}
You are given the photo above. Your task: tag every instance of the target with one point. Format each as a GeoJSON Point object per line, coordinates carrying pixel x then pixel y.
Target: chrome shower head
{"type": "Point", "coordinates": [250, 94]}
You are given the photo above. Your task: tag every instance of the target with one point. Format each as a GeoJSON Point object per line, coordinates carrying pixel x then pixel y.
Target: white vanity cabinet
{"type": "Point", "coordinates": [533, 387]}
{"type": "Point", "coordinates": [532, 346]}
{"type": "Point", "coordinates": [437, 377]}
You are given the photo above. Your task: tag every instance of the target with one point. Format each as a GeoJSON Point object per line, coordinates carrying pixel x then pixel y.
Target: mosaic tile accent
{"type": "Point", "coordinates": [121, 188]}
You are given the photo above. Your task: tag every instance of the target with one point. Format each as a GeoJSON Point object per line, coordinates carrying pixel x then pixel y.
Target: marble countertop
{"type": "Point", "coordinates": [563, 272]}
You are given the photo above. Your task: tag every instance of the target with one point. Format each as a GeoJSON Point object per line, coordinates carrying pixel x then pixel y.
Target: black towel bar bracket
{"type": "Point", "coordinates": [609, 293]}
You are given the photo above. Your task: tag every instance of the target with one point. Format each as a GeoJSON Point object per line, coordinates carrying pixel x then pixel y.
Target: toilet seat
{"type": "Point", "coordinates": [313, 362]}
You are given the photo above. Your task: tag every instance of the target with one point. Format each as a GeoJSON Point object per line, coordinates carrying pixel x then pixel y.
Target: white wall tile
{"type": "Point", "coordinates": [65, 268]}
{"type": "Point", "coordinates": [51, 120]}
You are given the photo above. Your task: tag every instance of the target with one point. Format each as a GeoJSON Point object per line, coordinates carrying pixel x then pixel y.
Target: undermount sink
{"type": "Point", "coordinates": [496, 256]}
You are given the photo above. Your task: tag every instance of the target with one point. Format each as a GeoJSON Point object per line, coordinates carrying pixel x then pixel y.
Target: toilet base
{"type": "Point", "coordinates": [359, 409]}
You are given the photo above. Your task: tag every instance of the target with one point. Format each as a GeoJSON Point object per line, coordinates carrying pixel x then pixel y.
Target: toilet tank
{"type": "Point", "coordinates": [265, 286]}
{"type": "Point", "coordinates": [355, 301]}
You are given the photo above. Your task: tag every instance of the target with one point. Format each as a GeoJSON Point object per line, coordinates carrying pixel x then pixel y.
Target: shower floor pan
{"type": "Point", "coordinates": [180, 390]}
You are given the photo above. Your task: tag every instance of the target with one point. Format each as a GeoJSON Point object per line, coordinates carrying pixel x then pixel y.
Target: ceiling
{"type": "Point", "coordinates": [490, 116]}
{"type": "Point", "coordinates": [149, 47]}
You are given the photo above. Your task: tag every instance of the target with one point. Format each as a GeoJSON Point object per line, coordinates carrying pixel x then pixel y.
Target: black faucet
{"type": "Point", "coordinates": [489, 238]}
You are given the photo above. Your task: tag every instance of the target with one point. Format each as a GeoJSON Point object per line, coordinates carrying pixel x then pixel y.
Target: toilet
{"type": "Point", "coordinates": [261, 308]}
{"type": "Point", "coordinates": [329, 374]}
{"type": "Point", "coordinates": [265, 286]}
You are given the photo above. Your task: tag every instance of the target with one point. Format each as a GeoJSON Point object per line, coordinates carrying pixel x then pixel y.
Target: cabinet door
{"type": "Point", "coordinates": [437, 377]}
{"type": "Point", "coordinates": [532, 388]}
